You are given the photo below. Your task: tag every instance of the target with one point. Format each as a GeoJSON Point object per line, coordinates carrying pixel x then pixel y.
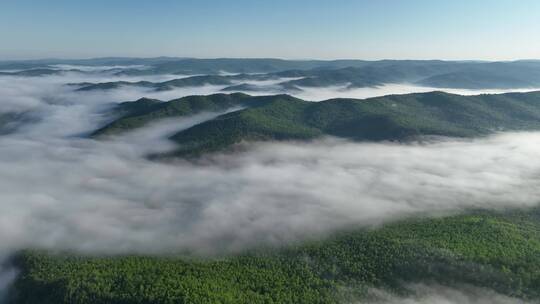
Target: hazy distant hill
{"type": "Point", "coordinates": [346, 73]}
{"type": "Point", "coordinates": [313, 73]}
{"type": "Point", "coordinates": [159, 86]}
{"type": "Point", "coordinates": [192, 81]}
{"type": "Point", "coordinates": [32, 72]}
{"type": "Point", "coordinates": [498, 75]}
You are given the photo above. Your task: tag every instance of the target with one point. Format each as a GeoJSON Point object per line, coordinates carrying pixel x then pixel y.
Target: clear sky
{"type": "Point", "coordinates": [300, 29]}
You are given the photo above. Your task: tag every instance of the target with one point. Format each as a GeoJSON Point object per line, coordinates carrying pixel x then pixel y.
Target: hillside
{"type": "Point", "coordinates": [33, 72]}
{"type": "Point", "coordinates": [457, 75]}
{"type": "Point", "coordinates": [135, 114]}
{"type": "Point", "coordinates": [191, 81]}
{"type": "Point", "coordinates": [494, 250]}
{"type": "Point", "coordinates": [159, 86]}
{"type": "Point", "coordinates": [395, 117]}
{"type": "Point", "coordinates": [282, 117]}
{"type": "Point", "coordinates": [489, 76]}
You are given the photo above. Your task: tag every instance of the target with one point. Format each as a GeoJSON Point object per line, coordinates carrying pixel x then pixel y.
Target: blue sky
{"type": "Point", "coordinates": [300, 29]}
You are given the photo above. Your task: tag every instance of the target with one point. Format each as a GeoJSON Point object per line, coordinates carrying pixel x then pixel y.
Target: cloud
{"type": "Point", "coordinates": [434, 294]}
{"type": "Point", "coordinates": [105, 197]}
{"type": "Point", "coordinates": [8, 275]}
{"type": "Point", "coordinates": [20, 94]}
{"type": "Point", "coordinates": [61, 191]}
{"type": "Point", "coordinates": [324, 93]}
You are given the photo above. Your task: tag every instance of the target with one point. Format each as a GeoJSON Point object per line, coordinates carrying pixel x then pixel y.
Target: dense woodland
{"type": "Point", "coordinates": [283, 117]}
{"type": "Point", "coordinates": [495, 250]}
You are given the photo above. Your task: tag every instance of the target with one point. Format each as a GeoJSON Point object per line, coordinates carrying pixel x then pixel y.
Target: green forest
{"type": "Point", "coordinates": [283, 117]}
{"type": "Point", "coordinates": [497, 250]}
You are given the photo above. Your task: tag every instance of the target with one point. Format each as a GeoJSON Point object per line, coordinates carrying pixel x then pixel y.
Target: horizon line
{"type": "Point", "coordinates": [264, 58]}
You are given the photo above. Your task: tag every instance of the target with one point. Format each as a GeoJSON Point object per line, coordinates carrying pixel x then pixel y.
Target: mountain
{"type": "Point", "coordinates": [438, 74]}
{"type": "Point", "coordinates": [371, 75]}
{"type": "Point", "coordinates": [246, 87]}
{"type": "Point", "coordinates": [503, 75]}
{"type": "Point", "coordinates": [282, 117]}
{"type": "Point", "coordinates": [238, 65]}
{"type": "Point", "coordinates": [175, 65]}
{"type": "Point", "coordinates": [87, 86]}
{"type": "Point", "coordinates": [104, 61]}
{"type": "Point", "coordinates": [475, 80]}
{"type": "Point", "coordinates": [135, 114]}
{"type": "Point", "coordinates": [32, 72]}
{"type": "Point", "coordinates": [396, 117]}
{"type": "Point", "coordinates": [159, 86]}
{"type": "Point", "coordinates": [283, 87]}
{"type": "Point", "coordinates": [192, 81]}
{"type": "Point", "coordinates": [493, 250]}
{"type": "Point", "coordinates": [498, 75]}
{"type": "Point", "coordinates": [313, 73]}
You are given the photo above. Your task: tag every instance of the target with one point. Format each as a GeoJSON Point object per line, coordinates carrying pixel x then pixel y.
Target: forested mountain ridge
{"type": "Point", "coordinates": [282, 117]}
{"type": "Point", "coordinates": [135, 114]}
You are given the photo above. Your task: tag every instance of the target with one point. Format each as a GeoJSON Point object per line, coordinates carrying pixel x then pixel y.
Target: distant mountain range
{"type": "Point", "coordinates": [282, 117]}
{"type": "Point", "coordinates": [310, 73]}
{"type": "Point", "coordinates": [192, 81]}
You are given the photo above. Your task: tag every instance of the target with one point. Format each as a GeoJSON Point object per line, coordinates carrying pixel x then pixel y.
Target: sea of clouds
{"type": "Point", "coordinates": [62, 191]}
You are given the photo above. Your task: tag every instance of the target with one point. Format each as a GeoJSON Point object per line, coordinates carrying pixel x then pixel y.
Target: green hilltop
{"type": "Point", "coordinates": [135, 114]}
{"type": "Point", "coordinates": [282, 117]}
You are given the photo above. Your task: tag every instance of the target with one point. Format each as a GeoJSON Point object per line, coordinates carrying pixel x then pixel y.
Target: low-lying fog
{"type": "Point", "coordinates": [81, 194]}
{"type": "Point", "coordinates": [434, 294]}
{"type": "Point", "coordinates": [63, 192]}
{"type": "Point", "coordinates": [28, 93]}
{"type": "Point", "coordinates": [60, 190]}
